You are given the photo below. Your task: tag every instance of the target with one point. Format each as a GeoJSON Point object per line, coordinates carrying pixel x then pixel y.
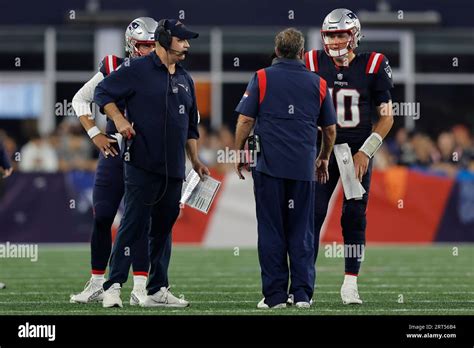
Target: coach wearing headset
{"type": "Point", "coordinates": [161, 124]}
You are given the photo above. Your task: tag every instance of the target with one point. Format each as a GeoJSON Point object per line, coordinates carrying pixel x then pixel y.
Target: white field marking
{"type": "Point", "coordinates": [338, 292]}
{"type": "Point", "coordinates": [325, 301]}
{"type": "Point", "coordinates": [243, 292]}
{"type": "Point", "coordinates": [235, 301]}
{"type": "Point", "coordinates": [314, 311]}
{"type": "Point", "coordinates": [370, 279]}
{"type": "Point", "coordinates": [188, 269]}
{"type": "Point", "coordinates": [240, 274]}
{"type": "Point", "coordinates": [318, 294]}
{"type": "Point", "coordinates": [327, 286]}
{"type": "Point", "coordinates": [364, 279]}
{"type": "Point", "coordinates": [257, 286]}
{"type": "Point", "coordinates": [256, 275]}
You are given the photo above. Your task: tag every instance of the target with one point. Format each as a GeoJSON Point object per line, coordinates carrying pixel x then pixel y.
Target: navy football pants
{"type": "Point", "coordinates": [285, 233]}
{"type": "Point", "coordinates": [142, 189]}
{"type": "Point", "coordinates": [353, 219]}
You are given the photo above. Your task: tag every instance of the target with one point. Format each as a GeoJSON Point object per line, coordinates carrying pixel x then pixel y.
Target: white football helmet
{"type": "Point", "coordinates": [341, 20]}
{"type": "Point", "coordinates": [140, 31]}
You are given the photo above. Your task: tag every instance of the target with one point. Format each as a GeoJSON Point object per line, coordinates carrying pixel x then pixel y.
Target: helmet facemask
{"type": "Point", "coordinates": [132, 47]}
{"type": "Point", "coordinates": [347, 46]}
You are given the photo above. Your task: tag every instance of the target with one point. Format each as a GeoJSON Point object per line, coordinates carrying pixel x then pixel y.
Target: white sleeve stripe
{"type": "Point", "coordinates": [111, 63]}
{"type": "Point", "coordinates": [374, 63]}
{"type": "Point", "coordinates": [311, 61]}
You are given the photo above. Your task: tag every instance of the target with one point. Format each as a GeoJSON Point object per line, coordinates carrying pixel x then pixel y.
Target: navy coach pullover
{"type": "Point", "coordinates": [288, 105]}
{"type": "Point", "coordinates": [142, 83]}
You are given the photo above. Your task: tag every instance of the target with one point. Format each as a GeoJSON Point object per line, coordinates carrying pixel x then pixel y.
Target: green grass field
{"type": "Point", "coordinates": [429, 278]}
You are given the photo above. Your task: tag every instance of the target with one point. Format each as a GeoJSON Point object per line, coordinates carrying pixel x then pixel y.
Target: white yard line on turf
{"type": "Point", "coordinates": [314, 311]}
{"type": "Point", "coordinates": [238, 292]}
{"type": "Point", "coordinates": [237, 301]}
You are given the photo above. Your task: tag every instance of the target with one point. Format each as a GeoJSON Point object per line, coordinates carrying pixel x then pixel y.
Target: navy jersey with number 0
{"type": "Point", "coordinates": [356, 91]}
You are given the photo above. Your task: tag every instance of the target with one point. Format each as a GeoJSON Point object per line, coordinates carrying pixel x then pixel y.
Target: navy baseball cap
{"type": "Point", "coordinates": [179, 30]}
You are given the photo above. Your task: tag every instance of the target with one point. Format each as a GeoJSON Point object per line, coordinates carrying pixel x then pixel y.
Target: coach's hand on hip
{"type": "Point", "coordinates": [123, 126]}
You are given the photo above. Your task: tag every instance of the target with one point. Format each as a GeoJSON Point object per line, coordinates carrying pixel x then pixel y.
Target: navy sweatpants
{"type": "Point", "coordinates": [142, 189]}
{"type": "Point", "coordinates": [285, 233]}
{"type": "Point", "coordinates": [107, 194]}
{"type": "Point", "coordinates": [353, 218]}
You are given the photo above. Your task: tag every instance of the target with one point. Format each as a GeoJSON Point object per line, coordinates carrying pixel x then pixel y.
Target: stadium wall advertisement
{"type": "Point", "coordinates": [406, 206]}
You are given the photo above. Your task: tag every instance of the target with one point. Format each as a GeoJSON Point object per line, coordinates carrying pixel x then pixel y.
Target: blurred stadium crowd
{"type": "Point", "coordinates": [69, 148]}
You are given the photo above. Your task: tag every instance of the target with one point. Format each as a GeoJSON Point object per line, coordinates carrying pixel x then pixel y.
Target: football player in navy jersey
{"type": "Point", "coordinates": [109, 181]}
{"type": "Point", "coordinates": [360, 85]}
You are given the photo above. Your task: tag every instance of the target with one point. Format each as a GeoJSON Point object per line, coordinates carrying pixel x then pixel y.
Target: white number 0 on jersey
{"type": "Point", "coordinates": [353, 113]}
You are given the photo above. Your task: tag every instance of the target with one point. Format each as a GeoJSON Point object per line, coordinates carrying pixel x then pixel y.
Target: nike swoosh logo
{"type": "Point", "coordinates": [186, 88]}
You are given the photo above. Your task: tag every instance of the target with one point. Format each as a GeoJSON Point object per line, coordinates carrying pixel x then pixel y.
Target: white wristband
{"type": "Point", "coordinates": [93, 132]}
{"type": "Point", "coordinates": [371, 144]}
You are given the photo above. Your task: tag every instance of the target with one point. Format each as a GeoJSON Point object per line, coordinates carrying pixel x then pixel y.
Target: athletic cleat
{"type": "Point", "coordinates": [2, 286]}
{"type": "Point", "coordinates": [350, 294]}
{"type": "Point", "coordinates": [138, 295]}
{"type": "Point", "coordinates": [164, 298]}
{"type": "Point", "coordinates": [93, 292]}
{"type": "Point", "coordinates": [112, 297]}
{"type": "Point", "coordinates": [263, 305]}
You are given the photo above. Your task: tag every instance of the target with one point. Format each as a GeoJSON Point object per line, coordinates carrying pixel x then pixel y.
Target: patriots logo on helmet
{"type": "Point", "coordinates": [351, 15]}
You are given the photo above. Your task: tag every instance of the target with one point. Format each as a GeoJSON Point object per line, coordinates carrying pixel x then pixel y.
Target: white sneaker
{"type": "Point", "coordinates": [291, 300]}
{"type": "Point", "coordinates": [93, 292]}
{"type": "Point", "coordinates": [350, 294]}
{"type": "Point", "coordinates": [164, 298]}
{"type": "Point", "coordinates": [112, 297]}
{"type": "Point", "coordinates": [303, 304]}
{"type": "Point", "coordinates": [138, 295]}
{"type": "Point", "coordinates": [263, 305]}
{"type": "Point", "coordinates": [2, 286]}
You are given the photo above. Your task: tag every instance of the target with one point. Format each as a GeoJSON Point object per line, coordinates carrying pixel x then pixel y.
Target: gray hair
{"type": "Point", "coordinates": [289, 43]}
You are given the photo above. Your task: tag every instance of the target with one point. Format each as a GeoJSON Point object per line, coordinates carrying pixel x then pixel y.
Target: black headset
{"type": "Point", "coordinates": [164, 35]}
{"type": "Point", "coordinates": [164, 39]}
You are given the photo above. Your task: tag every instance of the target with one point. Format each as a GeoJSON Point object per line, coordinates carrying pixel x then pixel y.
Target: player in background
{"type": "Point", "coordinates": [5, 171]}
{"type": "Point", "coordinates": [108, 184]}
{"type": "Point", "coordinates": [360, 85]}
{"type": "Point", "coordinates": [5, 167]}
